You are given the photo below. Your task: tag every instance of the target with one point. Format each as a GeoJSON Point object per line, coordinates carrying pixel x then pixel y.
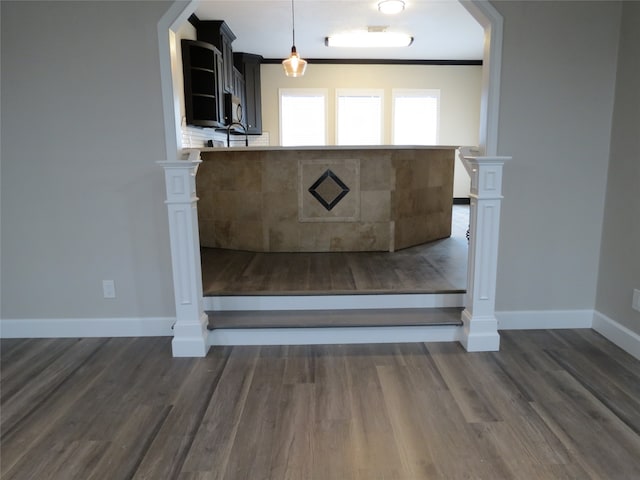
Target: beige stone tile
{"type": "Point", "coordinates": [279, 206]}
{"type": "Point", "coordinates": [375, 206]}
{"type": "Point", "coordinates": [375, 172]}
{"type": "Point", "coordinates": [283, 237]}
{"type": "Point", "coordinates": [238, 206]}
{"type": "Point", "coordinates": [404, 178]}
{"type": "Point", "coordinates": [402, 204]}
{"type": "Point", "coordinates": [315, 237]}
{"type": "Point", "coordinates": [246, 236]}
{"type": "Point", "coordinates": [222, 234]}
{"type": "Point", "coordinates": [241, 174]}
{"type": "Point", "coordinates": [279, 173]}
{"type": "Point", "coordinates": [205, 203]}
{"type": "Point", "coordinates": [206, 228]}
{"type": "Point", "coordinates": [360, 237]}
{"type": "Point", "coordinates": [231, 171]}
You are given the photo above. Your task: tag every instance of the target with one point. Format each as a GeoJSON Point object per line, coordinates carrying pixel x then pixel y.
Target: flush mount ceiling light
{"type": "Point", "coordinates": [374, 37]}
{"type": "Point", "coordinates": [391, 7]}
{"type": "Point", "coordinates": [294, 66]}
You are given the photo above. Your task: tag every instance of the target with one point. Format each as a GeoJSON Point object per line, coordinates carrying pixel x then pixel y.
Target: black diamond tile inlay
{"type": "Point", "coordinates": [328, 189]}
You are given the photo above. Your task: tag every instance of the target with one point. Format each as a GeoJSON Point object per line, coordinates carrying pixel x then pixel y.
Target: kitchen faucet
{"type": "Point", "coordinates": [246, 134]}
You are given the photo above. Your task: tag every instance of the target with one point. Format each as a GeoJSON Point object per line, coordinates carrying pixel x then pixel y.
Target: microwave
{"type": "Point", "coordinates": [232, 109]}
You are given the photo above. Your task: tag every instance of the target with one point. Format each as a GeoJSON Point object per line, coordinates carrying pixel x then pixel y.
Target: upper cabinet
{"type": "Point", "coordinates": [218, 33]}
{"type": "Point", "coordinates": [201, 66]}
{"type": "Point", "coordinates": [248, 65]}
{"type": "Point", "coordinates": [217, 80]}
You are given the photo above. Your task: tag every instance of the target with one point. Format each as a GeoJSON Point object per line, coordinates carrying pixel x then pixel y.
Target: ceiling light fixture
{"type": "Point", "coordinates": [371, 38]}
{"type": "Point", "coordinates": [294, 66]}
{"type": "Point", "coordinates": [391, 7]}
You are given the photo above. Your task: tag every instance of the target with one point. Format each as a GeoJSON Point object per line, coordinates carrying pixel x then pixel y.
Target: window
{"type": "Point", "coordinates": [415, 117]}
{"type": "Point", "coordinates": [303, 118]}
{"type": "Point", "coordinates": [359, 117]}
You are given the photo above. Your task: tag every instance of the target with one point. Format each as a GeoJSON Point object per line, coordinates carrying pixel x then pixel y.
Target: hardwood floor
{"type": "Point", "coordinates": [550, 405]}
{"type": "Point", "coordinates": [439, 266]}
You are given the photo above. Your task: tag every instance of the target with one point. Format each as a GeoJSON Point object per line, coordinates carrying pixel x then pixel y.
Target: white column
{"type": "Point", "coordinates": [480, 330]}
{"type": "Point", "coordinates": [190, 330]}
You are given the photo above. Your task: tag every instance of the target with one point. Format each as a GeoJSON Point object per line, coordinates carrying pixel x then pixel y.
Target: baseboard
{"type": "Point", "coordinates": [615, 332]}
{"type": "Point", "coordinates": [331, 336]}
{"type": "Point", "coordinates": [86, 327]}
{"type": "Point", "coordinates": [626, 339]}
{"type": "Point", "coordinates": [333, 302]}
{"type": "Point", "coordinates": [544, 319]}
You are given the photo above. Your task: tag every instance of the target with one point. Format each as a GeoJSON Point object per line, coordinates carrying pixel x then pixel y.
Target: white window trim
{"type": "Point", "coordinates": [360, 92]}
{"type": "Point", "coordinates": [414, 92]}
{"type": "Point", "coordinates": [303, 92]}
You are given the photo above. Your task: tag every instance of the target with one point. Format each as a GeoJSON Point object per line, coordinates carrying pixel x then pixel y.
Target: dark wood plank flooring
{"type": "Point", "coordinates": [550, 405]}
{"type": "Point", "coordinates": [435, 267]}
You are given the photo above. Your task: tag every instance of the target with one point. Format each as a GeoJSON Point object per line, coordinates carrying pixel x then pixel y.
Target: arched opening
{"type": "Point", "coordinates": [185, 252]}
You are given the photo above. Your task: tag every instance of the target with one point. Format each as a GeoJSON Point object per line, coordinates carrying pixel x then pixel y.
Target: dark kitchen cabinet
{"type": "Point", "coordinates": [248, 64]}
{"type": "Point", "coordinates": [218, 33]}
{"type": "Point", "coordinates": [238, 83]}
{"type": "Point", "coordinates": [239, 90]}
{"type": "Point", "coordinates": [203, 90]}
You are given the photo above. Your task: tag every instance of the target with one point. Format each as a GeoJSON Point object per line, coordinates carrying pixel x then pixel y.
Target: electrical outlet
{"type": "Point", "coordinates": [109, 289]}
{"type": "Point", "coordinates": [635, 304]}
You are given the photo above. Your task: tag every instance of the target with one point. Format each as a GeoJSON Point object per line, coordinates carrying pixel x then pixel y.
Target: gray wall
{"type": "Point", "coordinates": [620, 253]}
{"type": "Point", "coordinates": [82, 197]}
{"type": "Point", "coordinates": [557, 87]}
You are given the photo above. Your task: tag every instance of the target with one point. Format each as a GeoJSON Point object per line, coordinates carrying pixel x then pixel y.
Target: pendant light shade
{"type": "Point", "coordinates": [294, 66]}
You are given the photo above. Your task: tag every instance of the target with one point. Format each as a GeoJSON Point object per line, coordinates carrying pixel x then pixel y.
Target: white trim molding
{"type": "Point", "coordinates": [337, 302]}
{"type": "Point", "coordinates": [492, 22]}
{"type": "Point", "coordinates": [333, 335]}
{"type": "Point", "coordinates": [626, 339]}
{"type": "Point", "coordinates": [86, 327]}
{"type": "Point", "coordinates": [544, 319]}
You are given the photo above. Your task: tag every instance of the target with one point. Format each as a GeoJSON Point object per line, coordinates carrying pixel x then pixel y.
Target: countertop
{"type": "Point", "coordinates": [324, 147]}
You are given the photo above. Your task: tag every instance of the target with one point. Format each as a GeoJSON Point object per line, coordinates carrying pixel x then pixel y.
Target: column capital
{"type": "Point", "coordinates": [180, 178]}
{"type": "Point", "coordinates": [485, 173]}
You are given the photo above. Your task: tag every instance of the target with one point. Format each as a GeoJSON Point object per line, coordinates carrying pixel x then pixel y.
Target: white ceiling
{"type": "Point", "coordinates": [442, 29]}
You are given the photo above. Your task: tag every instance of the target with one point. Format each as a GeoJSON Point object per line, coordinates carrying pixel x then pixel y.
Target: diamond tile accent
{"type": "Point", "coordinates": [328, 189]}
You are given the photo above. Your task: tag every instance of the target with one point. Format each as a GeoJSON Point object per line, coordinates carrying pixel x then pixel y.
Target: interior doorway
{"type": "Point", "coordinates": [479, 332]}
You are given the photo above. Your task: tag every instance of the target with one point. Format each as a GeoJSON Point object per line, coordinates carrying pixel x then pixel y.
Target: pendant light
{"type": "Point", "coordinates": [294, 66]}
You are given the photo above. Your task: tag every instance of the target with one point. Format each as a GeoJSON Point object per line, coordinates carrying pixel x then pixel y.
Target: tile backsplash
{"type": "Point", "coordinates": [196, 137]}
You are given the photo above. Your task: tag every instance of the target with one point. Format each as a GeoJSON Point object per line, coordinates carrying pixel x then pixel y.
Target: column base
{"type": "Point", "coordinates": [479, 334]}
{"type": "Point", "coordinates": [189, 347]}
{"type": "Point", "coordinates": [190, 339]}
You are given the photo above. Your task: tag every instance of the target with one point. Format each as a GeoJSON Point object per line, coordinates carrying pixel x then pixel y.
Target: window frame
{"type": "Point", "coordinates": [418, 93]}
{"type": "Point", "coordinates": [359, 92]}
{"type": "Point", "coordinates": [304, 92]}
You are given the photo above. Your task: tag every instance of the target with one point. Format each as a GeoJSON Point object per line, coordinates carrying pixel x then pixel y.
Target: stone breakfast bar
{"type": "Point", "coordinates": [324, 199]}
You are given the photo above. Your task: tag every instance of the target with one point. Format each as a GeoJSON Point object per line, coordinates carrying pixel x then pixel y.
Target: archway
{"type": "Point", "coordinates": [480, 330]}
